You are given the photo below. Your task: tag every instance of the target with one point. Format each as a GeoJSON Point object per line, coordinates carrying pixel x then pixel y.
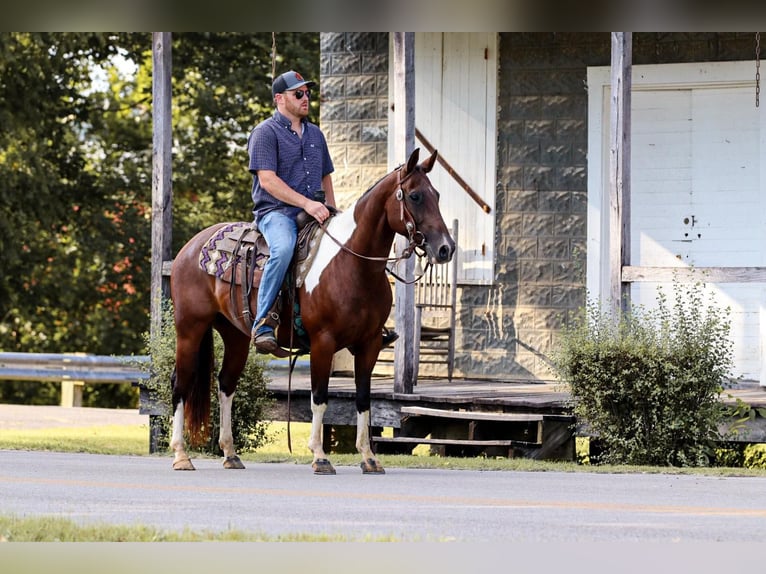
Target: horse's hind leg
{"type": "Point", "coordinates": [181, 460]}
{"type": "Point", "coordinates": [236, 347]}
{"type": "Point", "coordinates": [181, 379]}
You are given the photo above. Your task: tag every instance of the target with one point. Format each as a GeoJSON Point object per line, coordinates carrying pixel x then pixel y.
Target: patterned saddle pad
{"type": "Point", "coordinates": [233, 244]}
{"type": "Point", "coordinates": [224, 252]}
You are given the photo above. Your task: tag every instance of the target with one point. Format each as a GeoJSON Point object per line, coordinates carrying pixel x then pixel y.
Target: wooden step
{"type": "Point", "coordinates": [473, 415]}
{"type": "Point", "coordinates": [532, 435]}
{"type": "Point", "coordinates": [450, 441]}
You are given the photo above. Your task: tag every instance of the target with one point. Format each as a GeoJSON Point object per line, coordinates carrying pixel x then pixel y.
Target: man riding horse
{"type": "Point", "coordinates": [292, 172]}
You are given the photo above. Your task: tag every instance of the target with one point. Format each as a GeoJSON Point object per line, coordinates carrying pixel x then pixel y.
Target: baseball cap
{"type": "Point", "coordinates": [289, 81]}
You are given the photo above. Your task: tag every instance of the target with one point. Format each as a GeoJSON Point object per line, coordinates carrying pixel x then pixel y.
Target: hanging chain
{"type": "Point", "coordinates": [757, 69]}
{"type": "Point", "coordinates": [273, 56]}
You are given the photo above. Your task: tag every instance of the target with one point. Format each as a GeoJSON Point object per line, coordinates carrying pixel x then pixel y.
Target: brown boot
{"type": "Point", "coordinates": [264, 338]}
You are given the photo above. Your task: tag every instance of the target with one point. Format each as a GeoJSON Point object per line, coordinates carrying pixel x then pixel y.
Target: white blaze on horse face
{"type": "Point", "coordinates": [341, 227]}
{"type": "Point", "coordinates": [315, 440]}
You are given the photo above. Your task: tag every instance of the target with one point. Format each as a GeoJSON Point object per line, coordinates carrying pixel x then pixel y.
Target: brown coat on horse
{"type": "Point", "coordinates": [344, 302]}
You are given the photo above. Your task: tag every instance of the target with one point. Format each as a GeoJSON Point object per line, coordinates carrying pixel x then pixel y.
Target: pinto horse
{"type": "Point", "coordinates": [344, 303]}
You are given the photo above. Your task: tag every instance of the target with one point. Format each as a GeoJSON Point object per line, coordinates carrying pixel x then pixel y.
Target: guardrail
{"type": "Point", "coordinates": [72, 370]}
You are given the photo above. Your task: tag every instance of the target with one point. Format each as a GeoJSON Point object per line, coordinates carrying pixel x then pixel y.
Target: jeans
{"type": "Point", "coordinates": [281, 234]}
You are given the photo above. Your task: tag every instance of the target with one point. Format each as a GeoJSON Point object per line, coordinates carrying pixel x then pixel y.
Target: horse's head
{"type": "Point", "coordinates": [417, 214]}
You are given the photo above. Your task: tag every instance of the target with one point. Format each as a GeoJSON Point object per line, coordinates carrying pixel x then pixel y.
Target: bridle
{"type": "Point", "coordinates": [417, 240]}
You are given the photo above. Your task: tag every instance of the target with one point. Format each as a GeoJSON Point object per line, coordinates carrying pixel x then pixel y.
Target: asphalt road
{"type": "Point", "coordinates": [406, 504]}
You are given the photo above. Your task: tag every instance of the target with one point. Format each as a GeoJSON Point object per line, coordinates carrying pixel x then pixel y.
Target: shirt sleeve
{"type": "Point", "coordinates": [263, 149]}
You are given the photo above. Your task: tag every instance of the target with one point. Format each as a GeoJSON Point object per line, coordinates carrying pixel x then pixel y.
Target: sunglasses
{"type": "Point", "coordinates": [300, 93]}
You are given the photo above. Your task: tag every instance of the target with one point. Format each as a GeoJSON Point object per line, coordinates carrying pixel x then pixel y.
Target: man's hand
{"type": "Point", "coordinates": [317, 210]}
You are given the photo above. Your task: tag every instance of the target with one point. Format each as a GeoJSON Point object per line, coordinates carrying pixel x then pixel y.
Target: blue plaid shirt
{"type": "Point", "coordinates": [301, 162]}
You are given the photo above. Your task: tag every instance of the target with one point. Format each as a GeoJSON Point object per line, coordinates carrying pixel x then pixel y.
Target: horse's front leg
{"type": "Point", "coordinates": [321, 363]}
{"type": "Point", "coordinates": [363, 365]}
{"type": "Point", "coordinates": [321, 463]}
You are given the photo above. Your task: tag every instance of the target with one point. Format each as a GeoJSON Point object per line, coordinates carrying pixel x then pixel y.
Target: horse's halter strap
{"type": "Point", "coordinates": [409, 223]}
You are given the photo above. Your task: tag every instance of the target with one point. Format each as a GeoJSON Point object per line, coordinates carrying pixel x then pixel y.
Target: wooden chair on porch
{"type": "Point", "coordinates": [435, 302]}
{"type": "Point", "coordinates": [435, 306]}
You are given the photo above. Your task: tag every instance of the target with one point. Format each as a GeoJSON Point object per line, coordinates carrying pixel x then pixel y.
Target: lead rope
{"type": "Point", "coordinates": [273, 56]}
{"type": "Point", "coordinates": [406, 254]}
{"type": "Point", "coordinates": [291, 360]}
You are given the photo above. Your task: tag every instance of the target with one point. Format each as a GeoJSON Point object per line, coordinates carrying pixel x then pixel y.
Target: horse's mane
{"type": "Point", "coordinates": [374, 185]}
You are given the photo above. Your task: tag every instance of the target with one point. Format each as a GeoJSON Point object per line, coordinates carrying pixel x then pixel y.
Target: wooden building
{"type": "Point", "coordinates": [524, 119]}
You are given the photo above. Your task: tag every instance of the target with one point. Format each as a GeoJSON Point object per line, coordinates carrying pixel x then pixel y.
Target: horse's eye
{"type": "Point", "coordinates": [416, 197]}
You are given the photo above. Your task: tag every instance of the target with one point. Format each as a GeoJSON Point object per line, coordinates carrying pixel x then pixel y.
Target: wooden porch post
{"type": "Point", "coordinates": [405, 370]}
{"type": "Point", "coordinates": [162, 191]}
{"type": "Point", "coordinates": [619, 171]}
{"type": "Point", "coordinates": [162, 216]}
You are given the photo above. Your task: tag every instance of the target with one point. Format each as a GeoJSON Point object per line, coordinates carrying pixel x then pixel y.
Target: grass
{"type": "Point", "coordinates": [112, 439]}
{"type": "Point", "coordinates": [134, 440]}
{"type": "Point", "coordinates": [55, 529]}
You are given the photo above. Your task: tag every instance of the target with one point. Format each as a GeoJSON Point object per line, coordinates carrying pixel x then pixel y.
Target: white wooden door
{"type": "Point", "coordinates": [455, 109]}
{"type": "Point", "coordinates": [698, 192]}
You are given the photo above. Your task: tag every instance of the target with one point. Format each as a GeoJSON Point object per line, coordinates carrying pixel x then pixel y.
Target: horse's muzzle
{"type": "Point", "coordinates": [442, 252]}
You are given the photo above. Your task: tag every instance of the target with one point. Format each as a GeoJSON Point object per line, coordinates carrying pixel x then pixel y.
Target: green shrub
{"type": "Point", "coordinates": [755, 456]}
{"type": "Point", "coordinates": [251, 399]}
{"type": "Point", "coordinates": [648, 383]}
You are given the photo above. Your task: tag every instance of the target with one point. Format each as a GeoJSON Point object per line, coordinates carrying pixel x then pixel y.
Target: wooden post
{"type": "Point", "coordinates": [405, 369]}
{"type": "Point", "coordinates": [162, 203]}
{"type": "Point", "coordinates": [162, 191]}
{"type": "Point", "coordinates": [619, 171]}
{"type": "Point", "coordinates": [71, 393]}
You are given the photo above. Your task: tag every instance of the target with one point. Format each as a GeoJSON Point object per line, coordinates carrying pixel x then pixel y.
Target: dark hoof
{"type": "Point", "coordinates": [322, 466]}
{"type": "Point", "coordinates": [233, 462]}
{"type": "Point", "coordinates": [371, 466]}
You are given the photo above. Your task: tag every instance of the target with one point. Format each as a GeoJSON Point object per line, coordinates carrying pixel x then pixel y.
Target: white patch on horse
{"type": "Point", "coordinates": [315, 440]}
{"type": "Point", "coordinates": [363, 435]}
{"type": "Point", "coordinates": [177, 438]}
{"type": "Point", "coordinates": [341, 227]}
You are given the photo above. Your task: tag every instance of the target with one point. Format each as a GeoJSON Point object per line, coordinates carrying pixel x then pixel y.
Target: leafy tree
{"type": "Point", "coordinates": [76, 172]}
{"type": "Point", "coordinates": [221, 90]}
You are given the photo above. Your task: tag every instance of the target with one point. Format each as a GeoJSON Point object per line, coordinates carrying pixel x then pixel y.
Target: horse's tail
{"type": "Point", "coordinates": [197, 404]}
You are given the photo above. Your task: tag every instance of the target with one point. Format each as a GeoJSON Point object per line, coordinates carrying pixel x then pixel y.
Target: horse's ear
{"type": "Point", "coordinates": [429, 163]}
{"type": "Point", "coordinates": [413, 161]}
